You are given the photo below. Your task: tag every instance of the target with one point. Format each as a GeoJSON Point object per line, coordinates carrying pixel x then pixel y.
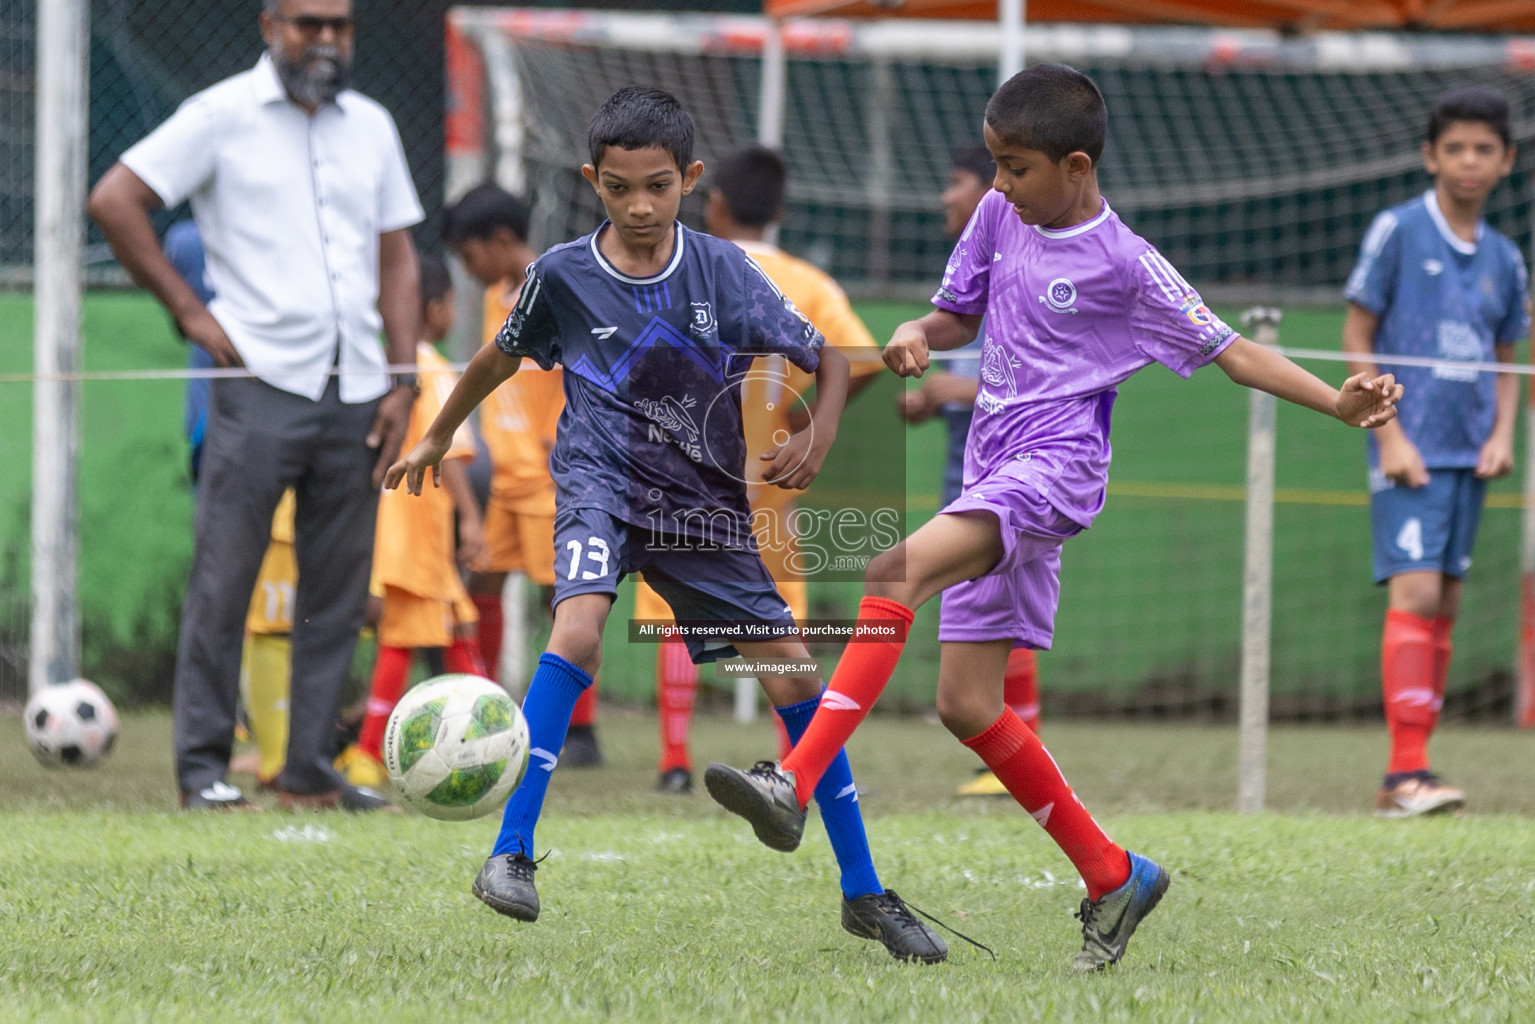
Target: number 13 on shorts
{"type": "Point", "coordinates": [596, 554]}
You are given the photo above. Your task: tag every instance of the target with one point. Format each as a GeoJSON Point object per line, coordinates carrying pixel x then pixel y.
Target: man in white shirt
{"type": "Point", "coordinates": [301, 192]}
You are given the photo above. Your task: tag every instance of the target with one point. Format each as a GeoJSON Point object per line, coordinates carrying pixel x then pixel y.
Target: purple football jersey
{"type": "Point", "coordinates": [1069, 315]}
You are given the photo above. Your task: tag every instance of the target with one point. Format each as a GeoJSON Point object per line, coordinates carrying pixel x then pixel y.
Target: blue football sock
{"type": "Point", "coordinates": [552, 696]}
{"type": "Point", "coordinates": [837, 796]}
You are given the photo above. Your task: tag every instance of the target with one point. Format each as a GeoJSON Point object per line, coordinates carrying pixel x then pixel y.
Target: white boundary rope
{"type": "Point", "coordinates": [236, 372]}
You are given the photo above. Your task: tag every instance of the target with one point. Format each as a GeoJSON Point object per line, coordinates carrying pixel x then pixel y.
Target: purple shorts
{"type": "Point", "coordinates": [1017, 600]}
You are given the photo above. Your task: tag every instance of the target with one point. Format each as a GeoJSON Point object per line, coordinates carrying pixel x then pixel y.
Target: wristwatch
{"type": "Point", "coordinates": [406, 380]}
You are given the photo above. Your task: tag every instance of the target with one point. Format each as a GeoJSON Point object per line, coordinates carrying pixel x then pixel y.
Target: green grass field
{"type": "Point", "coordinates": [662, 908]}
{"type": "Point", "coordinates": [1150, 604]}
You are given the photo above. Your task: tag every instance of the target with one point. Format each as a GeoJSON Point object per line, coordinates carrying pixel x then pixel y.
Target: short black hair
{"type": "Point", "coordinates": [436, 282]}
{"type": "Point", "coordinates": [640, 117]}
{"type": "Point", "coordinates": [1052, 108]}
{"type": "Point", "coordinates": [480, 211]}
{"type": "Point", "coordinates": [753, 182]}
{"type": "Point", "coordinates": [1470, 103]}
{"type": "Point", "coordinates": [975, 160]}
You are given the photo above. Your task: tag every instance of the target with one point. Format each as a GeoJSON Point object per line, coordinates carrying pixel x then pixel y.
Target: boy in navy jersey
{"type": "Point", "coordinates": [1434, 280]}
{"type": "Point", "coordinates": [656, 327]}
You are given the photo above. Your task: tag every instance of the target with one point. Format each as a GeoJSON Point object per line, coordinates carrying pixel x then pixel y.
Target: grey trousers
{"type": "Point", "coordinates": [261, 440]}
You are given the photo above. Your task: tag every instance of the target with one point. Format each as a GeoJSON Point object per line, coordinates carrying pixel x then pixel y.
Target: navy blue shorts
{"type": "Point", "coordinates": [1430, 528]}
{"type": "Point", "coordinates": [593, 552]}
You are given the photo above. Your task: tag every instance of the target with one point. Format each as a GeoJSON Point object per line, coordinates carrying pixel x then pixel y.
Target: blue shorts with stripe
{"type": "Point", "coordinates": [593, 552]}
{"type": "Point", "coordinates": [1426, 529]}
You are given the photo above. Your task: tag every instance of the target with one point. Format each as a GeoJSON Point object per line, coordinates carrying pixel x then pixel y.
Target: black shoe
{"type": "Point", "coordinates": [220, 796]}
{"type": "Point", "coordinates": [358, 799]}
{"type": "Point", "coordinates": [581, 750]}
{"type": "Point", "coordinates": [885, 917]}
{"type": "Point", "coordinates": [364, 799]}
{"type": "Point", "coordinates": [675, 780]}
{"type": "Point", "coordinates": [505, 885]}
{"type": "Point", "coordinates": [763, 796]}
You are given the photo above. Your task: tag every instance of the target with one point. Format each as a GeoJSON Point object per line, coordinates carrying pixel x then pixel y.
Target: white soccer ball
{"type": "Point", "coordinates": [456, 747]}
{"type": "Point", "coordinates": [71, 724]}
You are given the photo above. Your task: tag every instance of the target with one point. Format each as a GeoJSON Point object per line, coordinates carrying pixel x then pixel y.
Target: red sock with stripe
{"type": "Point", "coordinates": [1443, 649]}
{"type": "Point", "coordinates": [860, 677]}
{"type": "Point", "coordinates": [1020, 686]}
{"type": "Point", "coordinates": [676, 690]}
{"type": "Point", "coordinates": [1031, 775]}
{"type": "Point", "coordinates": [390, 671]}
{"type": "Point", "coordinates": [491, 624]}
{"type": "Point", "coordinates": [1407, 658]}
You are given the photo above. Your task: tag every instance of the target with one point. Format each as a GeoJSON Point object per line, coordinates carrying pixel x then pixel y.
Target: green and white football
{"type": "Point", "coordinates": [456, 747]}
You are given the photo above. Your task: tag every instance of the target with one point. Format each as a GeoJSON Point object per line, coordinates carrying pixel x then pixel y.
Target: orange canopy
{"type": "Point", "coordinates": [1301, 15]}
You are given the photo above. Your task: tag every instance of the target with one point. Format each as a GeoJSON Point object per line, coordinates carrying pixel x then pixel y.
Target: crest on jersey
{"type": "Point", "coordinates": [703, 324]}
{"type": "Point", "coordinates": [1060, 296]}
{"type": "Point", "coordinates": [1195, 309]}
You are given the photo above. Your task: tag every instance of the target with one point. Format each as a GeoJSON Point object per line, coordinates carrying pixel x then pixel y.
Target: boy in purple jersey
{"type": "Point", "coordinates": [1074, 303]}
{"type": "Point", "coordinates": [1434, 280]}
{"type": "Point", "coordinates": [657, 327]}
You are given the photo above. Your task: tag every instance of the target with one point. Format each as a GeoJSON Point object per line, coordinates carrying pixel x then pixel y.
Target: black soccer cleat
{"type": "Point", "coordinates": [505, 885]}
{"type": "Point", "coordinates": [764, 796]}
{"type": "Point", "coordinates": [581, 749]}
{"type": "Point", "coordinates": [885, 916]}
{"type": "Point", "coordinates": [675, 780]}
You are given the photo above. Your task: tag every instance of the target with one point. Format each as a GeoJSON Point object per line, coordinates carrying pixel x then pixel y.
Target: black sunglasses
{"type": "Point", "coordinates": [310, 25]}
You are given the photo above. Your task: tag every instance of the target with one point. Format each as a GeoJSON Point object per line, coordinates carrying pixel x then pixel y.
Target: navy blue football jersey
{"type": "Point", "coordinates": [651, 431]}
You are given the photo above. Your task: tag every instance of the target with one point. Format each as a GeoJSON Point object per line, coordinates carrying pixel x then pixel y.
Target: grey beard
{"type": "Point", "coordinates": [315, 78]}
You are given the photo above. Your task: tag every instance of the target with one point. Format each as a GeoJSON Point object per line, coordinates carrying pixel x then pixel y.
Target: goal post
{"type": "Point", "coordinates": [1254, 160]}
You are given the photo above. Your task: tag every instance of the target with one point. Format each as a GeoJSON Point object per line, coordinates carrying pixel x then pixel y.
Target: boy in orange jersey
{"type": "Point", "coordinates": [266, 660]}
{"type": "Point", "coordinates": [744, 202]}
{"type": "Point", "coordinates": [415, 565]}
{"type": "Point", "coordinates": [488, 229]}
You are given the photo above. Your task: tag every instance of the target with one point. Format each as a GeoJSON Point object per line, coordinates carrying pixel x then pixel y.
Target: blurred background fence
{"type": "Point", "coordinates": [1254, 160]}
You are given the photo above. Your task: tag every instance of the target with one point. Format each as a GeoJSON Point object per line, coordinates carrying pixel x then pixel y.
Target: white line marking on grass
{"type": "Point", "coordinates": [307, 834]}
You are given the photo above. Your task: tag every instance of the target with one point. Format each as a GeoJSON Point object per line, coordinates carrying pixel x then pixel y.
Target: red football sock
{"type": "Point", "coordinates": [860, 678]}
{"type": "Point", "coordinates": [1030, 774]}
{"type": "Point", "coordinates": [389, 674]}
{"type": "Point", "coordinates": [676, 690]}
{"type": "Point", "coordinates": [491, 624]}
{"type": "Point", "coordinates": [463, 655]}
{"type": "Point", "coordinates": [1443, 649]}
{"type": "Point", "coordinates": [1407, 658]}
{"type": "Point", "coordinates": [585, 712]}
{"type": "Point", "coordinates": [1020, 687]}
{"type": "Point", "coordinates": [785, 747]}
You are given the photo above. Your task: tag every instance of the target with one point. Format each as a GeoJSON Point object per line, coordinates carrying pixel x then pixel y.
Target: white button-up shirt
{"type": "Point", "coordinates": [290, 207]}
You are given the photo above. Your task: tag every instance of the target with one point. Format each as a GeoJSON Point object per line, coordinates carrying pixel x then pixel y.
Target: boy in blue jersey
{"type": "Point", "coordinates": [656, 327]}
{"type": "Point", "coordinates": [1434, 280]}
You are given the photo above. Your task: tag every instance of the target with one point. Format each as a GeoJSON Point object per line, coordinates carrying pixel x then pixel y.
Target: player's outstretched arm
{"type": "Point", "coordinates": [485, 372]}
{"type": "Point", "coordinates": [939, 331]}
{"type": "Point", "coordinates": [1362, 401]}
{"type": "Point", "coordinates": [796, 462]}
